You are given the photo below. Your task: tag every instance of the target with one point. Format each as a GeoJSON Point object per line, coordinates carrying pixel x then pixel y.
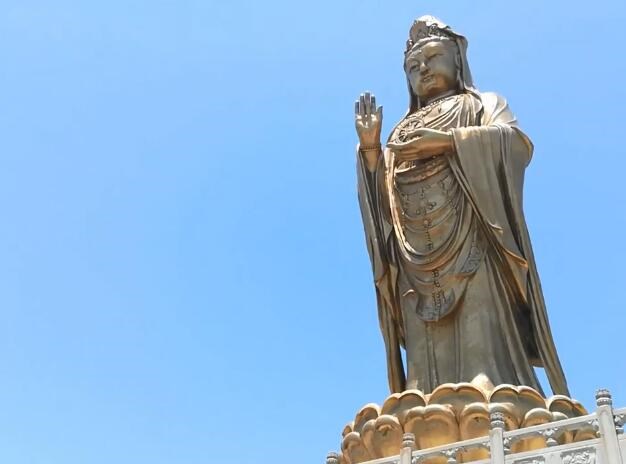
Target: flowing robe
{"type": "Point", "coordinates": [455, 276]}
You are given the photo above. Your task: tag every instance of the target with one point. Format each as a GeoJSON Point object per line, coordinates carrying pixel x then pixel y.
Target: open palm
{"type": "Point", "coordinates": [368, 120]}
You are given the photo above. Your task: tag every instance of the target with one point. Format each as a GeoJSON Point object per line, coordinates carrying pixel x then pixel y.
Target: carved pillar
{"type": "Point", "coordinates": [496, 438]}
{"type": "Point", "coordinates": [606, 424]}
{"type": "Point", "coordinates": [332, 458]}
{"type": "Point", "coordinates": [408, 445]}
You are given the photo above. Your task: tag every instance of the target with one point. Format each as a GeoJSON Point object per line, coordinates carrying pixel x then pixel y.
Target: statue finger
{"type": "Point", "coordinates": [368, 103]}
{"type": "Point", "coordinates": [418, 133]}
{"type": "Point", "coordinates": [400, 144]}
{"type": "Point", "coordinates": [373, 104]}
{"type": "Point", "coordinates": [397, 145]}
{"type": "Point", "coordinates": [362, 105]}
{"type": "Point", "coordinates": [356, 108]}
{"type": "Point", "coordinates": [414, 146]}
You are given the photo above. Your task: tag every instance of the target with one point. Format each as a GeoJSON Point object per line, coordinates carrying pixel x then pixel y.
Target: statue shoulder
{"type": "Point", "coordinates": [496, 109]}
{"type": "Point", "coordinates": [492, 98]}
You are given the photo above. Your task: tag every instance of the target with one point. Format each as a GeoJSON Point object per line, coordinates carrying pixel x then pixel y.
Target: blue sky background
{"type": "Point", "coordinates": [183, 275]}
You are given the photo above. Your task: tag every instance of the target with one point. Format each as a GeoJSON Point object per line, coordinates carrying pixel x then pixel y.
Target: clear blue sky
{"type": "Point", "coordinates": [183, 275]}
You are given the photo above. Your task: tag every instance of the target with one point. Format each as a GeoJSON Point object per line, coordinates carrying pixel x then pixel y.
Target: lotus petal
{"type": "Point", "coordinates": [567, 406]}
{"type": "Point", "coordinates": [368, 412]}
{"type": "Point", "coordinates": [353, 449]}
{"type": "Point", "coordinates": [454, 412]}
{"type": "Point", "coordinates": [432, 425]}
{"type": "Point", "coordinates": [384, 437]}
{"type": "Point", "coordinates": [457, 396]}
{"type": "Point", "coordinates": [474, 422]}
{"type": "Point", "coordinates": [524, 398]}
{"type": "Point", "coordinates": [535, 416]}
{"type": "Point", "coordinates": [399, 404]}
{"type": "Point", "coordinates": [349, 427]}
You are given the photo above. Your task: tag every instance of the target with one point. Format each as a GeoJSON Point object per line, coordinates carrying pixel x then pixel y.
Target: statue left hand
{"type": "Point", "coordinates": [427, 143]}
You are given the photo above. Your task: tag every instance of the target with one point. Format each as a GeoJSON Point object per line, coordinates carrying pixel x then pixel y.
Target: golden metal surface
{"type": "Point", "coordinates": [451, 413]}
{"type": "Point", "coordinates": [456, 282]}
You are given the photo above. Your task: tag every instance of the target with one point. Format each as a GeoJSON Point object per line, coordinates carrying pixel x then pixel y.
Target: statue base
{"type": "Point", "coordinates": [453, 413]}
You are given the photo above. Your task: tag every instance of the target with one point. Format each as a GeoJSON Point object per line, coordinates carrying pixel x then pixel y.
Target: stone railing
{"type": "Point", "coordinates": [597, 438]}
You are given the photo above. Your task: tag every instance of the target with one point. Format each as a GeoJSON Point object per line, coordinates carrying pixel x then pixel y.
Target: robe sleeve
{"type": "Point", "coordinates": [378, 232]}
{"type": "Point", "coordinates": [489, 162]}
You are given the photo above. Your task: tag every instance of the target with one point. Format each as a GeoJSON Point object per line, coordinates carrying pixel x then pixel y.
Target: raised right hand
{"type": "Point", "coordinates": [368, 120]}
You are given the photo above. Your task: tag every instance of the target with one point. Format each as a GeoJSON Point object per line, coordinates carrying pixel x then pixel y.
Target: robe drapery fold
{"type": "Point", "coordinates": [488, 164]}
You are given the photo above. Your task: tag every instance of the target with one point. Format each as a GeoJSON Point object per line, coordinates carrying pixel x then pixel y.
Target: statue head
{"type": "Point", "coordinates": [435, 62]}
{"type": "Point", "coordinates": [433, 69]}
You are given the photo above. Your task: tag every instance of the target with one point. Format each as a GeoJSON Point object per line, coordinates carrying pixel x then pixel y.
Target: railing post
{"type": "Point", "coordinates": [606, 424]}
{"type": "Point", "coordinates": [408, 445]}
{"type": "Point", "coordinates": [332, 458]}
{"type": "Point", "coordinates": [496, 438]}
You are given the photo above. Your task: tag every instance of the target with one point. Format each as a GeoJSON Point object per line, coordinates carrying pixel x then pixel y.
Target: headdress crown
{"type": "Point", "coordinates": [427, 28]}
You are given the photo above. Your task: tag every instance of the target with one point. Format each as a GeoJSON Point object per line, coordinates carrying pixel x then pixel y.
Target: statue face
{"type": "Point", "coordinates": [432, 69]}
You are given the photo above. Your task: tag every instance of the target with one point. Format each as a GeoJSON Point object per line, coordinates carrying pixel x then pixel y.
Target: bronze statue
{"type": "Point", "coordinates": [456, 280]}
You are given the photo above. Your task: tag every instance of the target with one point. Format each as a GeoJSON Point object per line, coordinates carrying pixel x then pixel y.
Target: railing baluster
{"type": "Point", "coordinates": [606, 422]}
{"type": "Point", "coordinates": [408, 445]}
{"type": "Point", "coordinates": [496, 438]}
{"type": "Point", "coordinates": [332, 458]}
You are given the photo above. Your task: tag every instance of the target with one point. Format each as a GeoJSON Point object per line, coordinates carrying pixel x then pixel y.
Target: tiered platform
{"type": "Point", "coordinates": [521, 428]}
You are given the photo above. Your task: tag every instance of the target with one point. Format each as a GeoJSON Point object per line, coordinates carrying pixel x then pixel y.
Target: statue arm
{"type": "Point", "coordinates": [427, 142]}
{"type": "Point", "coordinates": [370, 157]}
{"type": "Point", "coordinates": [494, 187]}
{"type": "Point", "coordinates": [374, 204]}
{"type": "Point", "coordinates": [496, 112]}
